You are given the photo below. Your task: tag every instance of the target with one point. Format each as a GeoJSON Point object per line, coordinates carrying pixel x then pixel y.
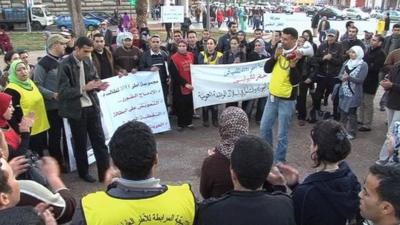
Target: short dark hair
{"type": "Point", "coordinates": [4, 186]}
{"type": "Point", "coordinates": [251, 160]}
{"type": "Point", "coordinates": [231, 23]}
{"type": "Point", "coordinates": [192, 32]}
{"type": "Point", "coordinates": [177, 31]}
{"type": "Point", "coordinates": [380, 38]}
{"type": "Point", "coordinates": [331, 140]}
{"type": "Point", "coordinates": [348, 23]}
{"type": "Point", "coordinates": [356, 28]}
{"type": "Point", "coordinates": [396, 25]}
{"type": "Point", "coordinates": [155, 36]}
{"type": "Point", "coordinates": [258, 29]}
{"type": "Point", "coordinates": [98, 35]}
{"type": "Point", "coordinates": [22, 51]}
{"type": "Point", "coordinates": [205, 30]}
{"type": "Point", "coordinates": [291, 31]}
{"type": "Point", "coordinates": [234, 38]}
{"type": "Point", "coordinates": [82, 41]}
{"type": "Point", "coordinates": [133, 150]}
{"type": "Point", "coordinates": [389, 184]}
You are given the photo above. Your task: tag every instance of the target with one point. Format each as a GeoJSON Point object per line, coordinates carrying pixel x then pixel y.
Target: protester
{"type": "Point", "coordinates": [314, 23]}
{"type": "Point", "coordinates": [258, 35]}
{"type": "Point", "coordinates": [307, 71]}
{"type": "Point", "coordinates": [185, 26]}
{"type": "Point", "coordinates": [156, 59]}
{"type": "Point", "coordinates": [5, 42]}
{"type": "Point", "coordinates": [220, 17]}
{"type": "Point", "coordinates": [137, 192]}
{"type": "Point", "coordinates": [351, 41]}
{"type": "Point", "coordinates": [392, 42]}
{"type": "Point", "coordinates": [70, 45]}
{"type": "Point", "coordinates": [179, 68]}
{"type": "Point", "coordinates": [375, 59]}
{"type": "Point", "coordinates": [46, 79]}
{"type": "Point", "coordinates": [323, 26]}
{"type": "Point", "coordinates": [203, 41]}
{"type": "Point", "coordinates": [137, 40]}
{"type": "Point", "coordinates": [233, 55]}
{"type": "Point", "coordinates": [391, 60]}
{"type": "Point", "coordinates": [193, 45]}
{"type": "Point", "coordinates": [327, 61]}
{"type": "Point", "coordinates": [78, 102]}
{"type": "Point", "coordinates": [391, 84]}
{"type": "Point", "coordinates": [274, 42]}
{"type": "Point", "coordinates": [309, 37]}
{"type": "Point", "coordinates": [250, 164]}
{"type": "Point", "coordinates": [387, 23]}
{"type": "Point", "coordinates": [348, 25]}
{"type": "Point", "coordinates": [107, 33]}
{"type": "Point", "coordinates": [350, 92]}
{"type": "Point", "coordinates": [258, 53]}
{"type": "Point", "coordinates": [172, 47]}
{"type": "Point", "coordinates": [215, 177]}
{"type": "Point", "coordinates": [24, 55]}
{"type": "Point", "coordinates": [9, 57]}
{"type": "Point", "coordinates": [210, 57]}
{"type": "Point", "coordinates": [330, 195]}
{"type": "Point", "coordinates": [285, 77]}
{"type": "Point", "coordinates": [241, 35]}
{"type": "Point", "coordinates": [379, 198]}
{"type": "Point", "coordinates": [223, 41]}
{"type": "Point", "coordinates": [127, 56]}
{"type": "Point", "coordinates": [27, 99]}
{"type": "Point", "coordinates": [102, 57]}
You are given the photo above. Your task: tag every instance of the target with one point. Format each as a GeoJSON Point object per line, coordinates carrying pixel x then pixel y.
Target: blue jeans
{"type": "Point", "coordinates": [283, 110]}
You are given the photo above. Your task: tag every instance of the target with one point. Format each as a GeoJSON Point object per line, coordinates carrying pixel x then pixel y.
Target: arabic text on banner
{"type": "Point", "coordinates": [218, 84]}
{"type": "Point", "coordinates": [137, 96]}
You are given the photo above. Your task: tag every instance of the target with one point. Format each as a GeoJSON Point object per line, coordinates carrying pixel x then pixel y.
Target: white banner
{"type": "Point", "coordinates": [172, 14]}
{"type": "Point", "coordinates": [217, 84]}
{"type": "Point", "coordinates": [137, 96]}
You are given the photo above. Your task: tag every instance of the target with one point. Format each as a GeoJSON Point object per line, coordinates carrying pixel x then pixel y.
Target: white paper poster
{"type": "Point", "coordinates": [137, 96]}
{"type": "Point", "coordinates": [217, 84]}
{"type": "Point", "coordinates": [172, 14]}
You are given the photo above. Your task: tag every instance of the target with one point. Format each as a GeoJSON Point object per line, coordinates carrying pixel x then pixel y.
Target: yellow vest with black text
{"type": "Point", "coordinates": [32, 101]}
{"type": "Point", "coordinates": [279, 84]}
{"type": "Point", "coordinates": [215, 61]}
{"type": "Point", "coordinates": [175, 206]}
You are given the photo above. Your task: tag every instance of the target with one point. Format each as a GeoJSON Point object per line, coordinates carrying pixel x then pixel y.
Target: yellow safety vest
{"type": "Point", "coordinates": [215, 61]}
{"type": "Point", "coordinates": [175, 206]}
{"type": "Point", "coordinates": [32, 101]}
{"type": "Point", "coordinates": [279, 84]}
{"type": "Point", "coordinates": [380, 29]}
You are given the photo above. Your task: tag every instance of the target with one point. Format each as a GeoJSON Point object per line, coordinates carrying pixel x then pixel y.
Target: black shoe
{"type": "Point", "coordinates": [364, 129]}
{"type": "Point", "coordinates": [206, 124]}
{"type": "Point", "coordinates": [88, 178]}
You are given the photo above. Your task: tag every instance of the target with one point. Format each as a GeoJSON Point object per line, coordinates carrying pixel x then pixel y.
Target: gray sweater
{"type": "Point", "coordinates": [45, 77]}
{"type": "Point", "coordinates": [354, 97]}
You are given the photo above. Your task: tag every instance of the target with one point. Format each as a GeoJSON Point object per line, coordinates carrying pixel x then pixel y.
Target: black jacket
{"type": "Point", "coordinates": [223, 43]}
{"type": "Point", "coordinates": [229, 57]}
{"type": "Point", "coordinates": [328, 68]}
{"type": "Point", "coordinates": [394, 92]}
{"type": "Point", "coordinates": [69, 90]}
{"type": "Point", "coordinates": [108, 37]}
{"type": "Point", "coordinates": [146, 62]}
{"type": "Point", "coordinates": [347, 44]}
{"type": "Point", "coordinates": [328, 198]}
{"type": "Point", "coordinates": [375, 58]}
{"type": "Point", "coordinates": [247, 208]}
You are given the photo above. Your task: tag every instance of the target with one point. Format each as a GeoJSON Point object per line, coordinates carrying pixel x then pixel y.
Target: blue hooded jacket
{"type": "Point", "coordinates": [327, 198]}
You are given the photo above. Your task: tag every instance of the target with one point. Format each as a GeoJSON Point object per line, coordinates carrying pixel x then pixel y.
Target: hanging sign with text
{"type": "Point", "coordinates": [172, 14]}
{"type": "Point", "coordinates": [218, 84]}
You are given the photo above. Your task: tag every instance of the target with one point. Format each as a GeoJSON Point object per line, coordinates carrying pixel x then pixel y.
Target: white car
{"type": "Point", "coordinates": [355, 13]}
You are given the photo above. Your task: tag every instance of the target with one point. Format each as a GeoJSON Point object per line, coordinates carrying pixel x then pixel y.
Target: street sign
{"type": "Point", "coordinates": [172, 14]}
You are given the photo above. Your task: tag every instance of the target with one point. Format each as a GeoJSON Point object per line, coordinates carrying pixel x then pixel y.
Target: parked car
{"type": "Point", "coordinates": [65, 22]}
{"type": "Point", "coordinates": [356, 13]}
{"type": "Point", "coordinates": [311, 11]}
{"type": "Point", "coordinates": [393, 14]}
{"type": "Point", "coordinates": [105, 16]}
{"type": "Point", "coordinates": [332, 13]}
{"type": "Point", "coordinates": [375, 12]}
{"type": "Point", "coordinates": [283, 9]}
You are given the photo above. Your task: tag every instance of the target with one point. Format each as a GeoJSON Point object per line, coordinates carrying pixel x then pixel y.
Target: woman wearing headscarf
{"type": "Point", "coordinates": [352, 75]}
{"type": "Point", "coordinates": [215, 177]}
{"type": "Point", "coordinates": [258, 54]}
{"type": "Point", "coordinates": [27, 101]}
{"type": "Point", "coordinates": [210, 56]}
{"type": "Point", "coordinates": [179, 69]}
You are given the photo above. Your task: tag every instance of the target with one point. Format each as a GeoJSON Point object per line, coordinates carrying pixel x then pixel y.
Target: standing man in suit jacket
{"type": "Point", "coordinates": [107, 33]}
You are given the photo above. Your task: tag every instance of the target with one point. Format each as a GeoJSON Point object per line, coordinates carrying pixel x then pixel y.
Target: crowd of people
{"type": "Point", "coordinates": [243, 180]}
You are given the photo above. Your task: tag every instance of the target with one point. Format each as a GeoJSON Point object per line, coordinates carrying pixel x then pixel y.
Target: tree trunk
{"type": "Point", "coordinates": [141, 12]}
{"type": "Point", "coordinates": [75, 12]}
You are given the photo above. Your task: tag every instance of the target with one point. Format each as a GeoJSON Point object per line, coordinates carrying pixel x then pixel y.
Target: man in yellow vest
{"type": "Point", "coordinates": [285, 78]}
{"type": "Point", "coordinates": [136, 197]}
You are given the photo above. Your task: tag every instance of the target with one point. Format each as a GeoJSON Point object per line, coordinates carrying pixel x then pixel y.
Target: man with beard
{"type": "Point", "coordinates": [223, 42]}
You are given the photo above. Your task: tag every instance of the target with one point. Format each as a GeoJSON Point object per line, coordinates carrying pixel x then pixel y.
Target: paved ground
{"type": "Point", "coordinates": [181, 154]}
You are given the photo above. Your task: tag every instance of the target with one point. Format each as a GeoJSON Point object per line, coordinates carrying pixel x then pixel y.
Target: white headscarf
{"type": "Point", "coordinates": [352, 63]}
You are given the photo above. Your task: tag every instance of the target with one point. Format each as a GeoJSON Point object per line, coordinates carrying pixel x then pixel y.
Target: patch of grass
{"type": "Point", "coordinates": [29, 41]}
